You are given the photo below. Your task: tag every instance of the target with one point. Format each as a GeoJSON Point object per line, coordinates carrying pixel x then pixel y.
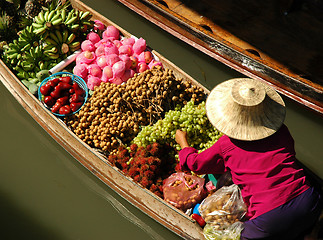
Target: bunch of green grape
{"type": "Point", "coordinates": [191, 119]}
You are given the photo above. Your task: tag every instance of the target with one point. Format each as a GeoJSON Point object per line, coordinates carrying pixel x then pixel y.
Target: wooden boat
{"type": "Point", "coordinates": [279, 42]}
{"type": "Point", "coordinates": [164, 213]}
{"type": "Point", "coordinates": [149, 203]}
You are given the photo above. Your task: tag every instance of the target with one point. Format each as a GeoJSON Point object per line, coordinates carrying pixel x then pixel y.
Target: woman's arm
{"type": "Point", "coordinates": [208, 161]}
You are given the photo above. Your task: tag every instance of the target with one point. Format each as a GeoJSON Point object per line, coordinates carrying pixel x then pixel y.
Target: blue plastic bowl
{"type": "Point", "coordinates": [75, 78]}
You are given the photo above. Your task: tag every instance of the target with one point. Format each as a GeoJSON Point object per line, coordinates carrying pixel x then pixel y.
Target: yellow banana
{"type": "Point", "coordinates": [50, 15]}
{"type": "Point", "coordinates": [71, 20]}
{"type": "Point", "coordinates": [46, 16]}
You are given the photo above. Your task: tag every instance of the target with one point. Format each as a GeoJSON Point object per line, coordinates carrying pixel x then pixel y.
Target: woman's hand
{"type": "Point", "coordinates": [181, 138]}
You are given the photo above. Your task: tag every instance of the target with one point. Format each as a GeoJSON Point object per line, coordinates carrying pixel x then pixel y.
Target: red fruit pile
{"type": "Point", "coordinates": [147, 166]}
{"type": "Point", "coordinates": [62, 95]}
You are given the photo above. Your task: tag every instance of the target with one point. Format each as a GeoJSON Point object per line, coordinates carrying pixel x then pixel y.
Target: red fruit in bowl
{"type": "Point", "coordinates": [66, 79]}
{"type": "Point", "coordinates": [76, 98]}
{"type": "Point", "coordinates": [63, 100]}
{"type": "Point", "coordinates": [56, 93]}
{"type": "Point", "coordinates": [45, 89]}
{"type": "Point", "coordinates": [75, 106]}
{"type": "Point", "coordinates": [53, 82]}
{"type": "Point", "coordinates": [56, 107]}
{"type": "Point", "coordinates": [64, 110]}
{"type": "Point", "coordinates": [49, 101]}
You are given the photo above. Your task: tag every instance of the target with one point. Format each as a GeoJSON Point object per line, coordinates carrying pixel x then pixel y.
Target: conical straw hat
{"type": "Point", "coordinates": [245, 109]}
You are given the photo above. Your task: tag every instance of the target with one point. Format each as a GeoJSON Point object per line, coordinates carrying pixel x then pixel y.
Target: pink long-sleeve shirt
{"type": "Point", "coordinates": [265, 170]}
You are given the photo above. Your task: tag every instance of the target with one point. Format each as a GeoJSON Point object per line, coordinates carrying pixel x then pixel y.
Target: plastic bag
{"type": "Point", "coordinates": [224, 207]}
{"type": "Point", "coordinates": [232, 232]}
{"type": "Point", "coordinates": [183, 190]}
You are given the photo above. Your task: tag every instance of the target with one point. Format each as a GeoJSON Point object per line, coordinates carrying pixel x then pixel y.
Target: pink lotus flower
{"type": "Point", "coordinates": [107, 73]}
{"type": "Point", "coordinates": [116, 80]}
{"type": "Point", "coordinates": [93, 37]}
{"type": "Point", "coordinates": [118, 69]}
{"type": "Point", "coordinates": [128, 41]}
{"type": "Point", "coordinates": [142, 67]}
{"type": "Point", "coordinates": [110, 48]}
{"type": "Point", "coordinates": [98, 25]}
{"type": "Point", "coordinates": [85, 57]}
{"type": "Point", "coordinates": [129, 73]}
{"type": "Point", "coordinates": [112, 59]}
{"type": "Point", "coordinates": [111, 32]}
{"type": "Point", "coordinates": [87, 45]}
{"type": "Point", "coordinates": [139, 46]}
{"type": "Point", "coordinates": [125, 49]}
{"type": "Point", "coordinates": [100, 50]}
{"type": "Point", "coordinates": [145, 57]}
{"type": "Point", "coordinates": [126, 60]}
{"type": "Point", "coordinates": [117, 43]}
{"type": "Point", "coordinates": [102, 61]}
{"type": "Point", "coordinates": [95, 70]}
{"type": "Point", "coordinates": [93, 81]}
{"type": "Point", "coordinates": [81, 71]}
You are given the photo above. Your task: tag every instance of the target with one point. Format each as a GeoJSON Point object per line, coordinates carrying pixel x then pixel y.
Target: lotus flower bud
{"type": "Point", "coordinates": [87, 45]}
{"type": "Point", "coordinates": [102, 61]}
{"type": "Point", "coordinates": [93, 37]}
{"type": "Point", "coordinates": [110, 48]}
{"type": "Point", "coordinates": [126, 60]}
{"type": "Point", "coordinates": [85, 57]}
{"type": "Point", "coordinates": [117, 43]}
{"type": "Point", "coordinates": [93, 81]}
{"type": "Point", "coordinates": [81, 71]}
{"type": "Point", "coordinates": [128, 41]}
{"type": "Point", "coordinates": [98, 25]}
{"type": "Point", "coordinates": [116, 80]}
{"type": "Point", "coordinates": [99, 51]}
{"type": "Point", "coordinates": [139, 46]}
{"type": "Point", "coordinates": [118, 69]}
{"type": "Point", "coordinates": [94, 70]}
{"type": "Point", "coordinates": [107, 74]}
{"type": "Point", "coordinates": [111, 32]}
{"type": "Point", "coordinates": [112, 59]}
{"type": "Point", "coordinates": [129, 73]}
{"type": "Point", "coordinates": [125, 49]}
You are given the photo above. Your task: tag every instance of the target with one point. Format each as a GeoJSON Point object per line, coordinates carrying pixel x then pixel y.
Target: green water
{"type": "Point", "coordinates": [46, 194]}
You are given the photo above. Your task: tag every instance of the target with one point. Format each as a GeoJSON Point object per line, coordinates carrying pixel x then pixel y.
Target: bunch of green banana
{"type": "Point", "coordinates": [78, 21]}
{"type": "Point", "coordinates": [12, 53]}
{"type": "Point", "coordinates": [59, 44]}
{"type": "Point", "coordinates": [27, 38]}
{"type": "Point", "coordinates": [46, 21]}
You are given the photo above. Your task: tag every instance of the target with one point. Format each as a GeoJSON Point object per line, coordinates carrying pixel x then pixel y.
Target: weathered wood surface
{"type": "Point", "coordinates": [155, 207]}
{"type": "Point", "coordinates": [279, 42]}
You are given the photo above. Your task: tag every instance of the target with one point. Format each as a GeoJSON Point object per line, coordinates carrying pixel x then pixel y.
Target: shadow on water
{"type": "Point", "coordinates": [17, 224]}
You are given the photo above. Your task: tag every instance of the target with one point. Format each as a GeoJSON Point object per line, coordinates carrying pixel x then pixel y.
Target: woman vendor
{"type": "Point", "coordinates": [258, 150]}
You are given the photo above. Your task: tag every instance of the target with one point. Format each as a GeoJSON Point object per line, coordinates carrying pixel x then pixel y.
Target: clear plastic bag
{"type": "Point", "coordinates": [183, 190]}
{"type": "Point", "coordinates": [232, 232]}
{"type": "Point", "coordinates": [223, 208]}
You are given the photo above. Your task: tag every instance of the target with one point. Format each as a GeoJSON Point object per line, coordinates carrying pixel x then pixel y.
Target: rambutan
{"type": "Point", "coordinates": [148, 147]}
{"type": "Point", "coordinates": [144, 167]}
{"type": "Point", "coordinates": [133, 147]}
{"type": "Point", "coordinates": [132, 172]}
{"type": "Point", "coordinates": [137, 178]}
{"type": "Point", "coordinates": [149, 174]}
{"type": "Point", "coordinates": [124, 165]}
{"type": "Point", "coordinates": [144, 182]}
{"type": "Point", "coordinates": [153, 188]}
{"type": "Point", "coordinates": [153, 168]}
